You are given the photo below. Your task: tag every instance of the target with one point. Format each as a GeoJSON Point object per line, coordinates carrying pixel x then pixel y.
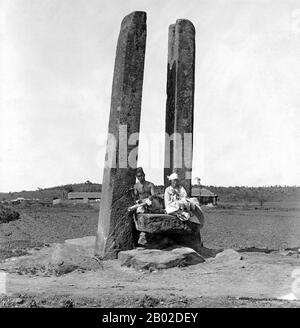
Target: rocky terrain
{"type": "Point", "coordinates": [261, 272]}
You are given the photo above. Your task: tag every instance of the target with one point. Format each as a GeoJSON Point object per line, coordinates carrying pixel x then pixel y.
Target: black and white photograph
{"type": "Point", "coordinates": [149, 156]}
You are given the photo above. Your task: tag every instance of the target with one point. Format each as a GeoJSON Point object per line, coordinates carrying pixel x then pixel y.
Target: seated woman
{"type": "Point", "coordinates": [177, 202]}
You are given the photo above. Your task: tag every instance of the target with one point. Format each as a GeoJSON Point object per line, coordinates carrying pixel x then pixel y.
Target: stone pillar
{"type": "Point", "coordinates": [170, 107]}
{"type": "Point", "coordinates": [180, 101]}
{"type": "Point", "coordinates": [115, 227]}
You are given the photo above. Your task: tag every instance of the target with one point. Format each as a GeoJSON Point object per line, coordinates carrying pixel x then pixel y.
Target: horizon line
{"type": "Point", "coordinates": [161, 185]}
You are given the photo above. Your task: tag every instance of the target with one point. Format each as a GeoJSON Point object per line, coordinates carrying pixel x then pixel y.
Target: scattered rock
{"type": "Point", "coordinates": [67, 258]}
{"type": "Point", "coordinates": [18, 300]}
{"type": "Point", "coordinates": [149, 302]}
{"type": "Point", "coordinates": [228, 255]}
{"type": "Point", "coordinates": [66, 303]}
{"type": "Point", "coordinates": [151, 259]}
{"type": "Point", "coordinates": [57, 260]}
{"type": "Point", "coordinates": [32, 304]}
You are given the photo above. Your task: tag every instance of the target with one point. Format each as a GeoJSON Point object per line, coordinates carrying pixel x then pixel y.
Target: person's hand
{"type": "Point", "coordinates": [148, 202]}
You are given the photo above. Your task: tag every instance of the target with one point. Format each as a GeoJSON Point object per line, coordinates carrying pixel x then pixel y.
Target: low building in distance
{"type": "Point", "coordinates": [204, 195]}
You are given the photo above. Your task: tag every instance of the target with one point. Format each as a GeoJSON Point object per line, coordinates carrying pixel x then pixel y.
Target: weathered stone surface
{"type": "Point", "coordinates": [170, 106]}
{"type": "Point", "coordinates": [162, 230]}
{"type": "Point", "coordinates": [163, 223]}
{"type": "Point", "coordinates": [151, 259]}
{"type": "Point", "coordinates": [57, 259]}
{"type": "Point", "coordinates": [66, 258]}
{"type": "Point", "coordinates": [162, 241]}
{"type": "Point", "coordinates": [228, 255]}
{"type": "Point", "coordinates": [115, 227]}
{"type": "Point", "coordinates": [180, 102]}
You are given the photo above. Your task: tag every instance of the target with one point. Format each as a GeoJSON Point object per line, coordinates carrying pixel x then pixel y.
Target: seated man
{"type": "Point", "coordinates": [144, 194]}
{"type": "Point", "coordinates": [177, 202]}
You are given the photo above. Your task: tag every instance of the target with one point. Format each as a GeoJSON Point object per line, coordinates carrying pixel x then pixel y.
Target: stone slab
{"type": "Point", "coordinates": [57, 259]}
{"type": "Point", "coordinates": [154, 259]}
{"type": "Point", "coordinates": [227, 256]}
{"type": "Point", "coordinates": [163, 223]}
{"type": "Point", "coordinates": [66, 258]}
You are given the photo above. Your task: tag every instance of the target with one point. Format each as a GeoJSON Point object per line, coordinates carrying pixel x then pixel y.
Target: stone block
{"type": "Point", "coordinates": [153, 259]}
{"type": "Point", "coordinates": [160, 231]}
{"type": "Point", "coordinates": [163, 223]}
{"type": "Point", "coordinates": [66, 258]}
{"type": "Point", "coordinates": [227, 256]}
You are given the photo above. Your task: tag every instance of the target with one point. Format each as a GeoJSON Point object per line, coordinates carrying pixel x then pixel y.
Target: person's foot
{"type": "Point", "coordinates": [184, 216]}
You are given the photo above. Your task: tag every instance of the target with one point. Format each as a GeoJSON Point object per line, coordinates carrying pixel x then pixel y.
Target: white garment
{"type": "Point", "coordinates": [175, 198]}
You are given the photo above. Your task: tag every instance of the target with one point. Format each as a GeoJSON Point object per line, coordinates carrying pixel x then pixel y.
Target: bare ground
{"type": "Point", "coordinates": [259, 280]}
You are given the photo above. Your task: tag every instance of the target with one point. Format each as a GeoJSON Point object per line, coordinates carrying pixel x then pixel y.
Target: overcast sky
{"type": "Point", "coordinates": [56, 70]}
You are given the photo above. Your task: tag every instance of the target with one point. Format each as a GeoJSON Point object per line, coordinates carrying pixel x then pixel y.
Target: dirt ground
{"type": "Point", "coordinates": [261, 279]}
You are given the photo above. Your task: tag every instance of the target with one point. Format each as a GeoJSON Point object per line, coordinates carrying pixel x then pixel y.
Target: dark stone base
{"type": "Point", "coordinates": [161, 241]}
{"type": "Point", "coordinates": [159, 231]}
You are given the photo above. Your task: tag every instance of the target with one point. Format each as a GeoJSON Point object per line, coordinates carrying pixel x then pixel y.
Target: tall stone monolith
{"type": "Point", "coordinates": [180, 102]}
{"type": "Point", "coordinates": [170, 106]}
{"type": "Point", "coordinates": [115, 227]}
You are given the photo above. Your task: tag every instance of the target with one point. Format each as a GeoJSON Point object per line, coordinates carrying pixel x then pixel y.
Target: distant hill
{"type": "Point", "coordinates": [226, 194]}
{"type": "Point", "coordinates": [252, 194]}
{"type": "Point", "coordinates": [53, 192]}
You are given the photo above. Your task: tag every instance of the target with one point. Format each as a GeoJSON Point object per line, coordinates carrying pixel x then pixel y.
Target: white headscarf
{"type": "Point", "coordinates": [173, 176]}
